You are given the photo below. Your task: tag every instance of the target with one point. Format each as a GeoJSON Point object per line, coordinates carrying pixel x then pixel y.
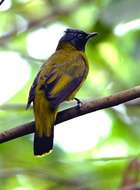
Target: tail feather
{"type": "Point", "coordinates": [43, 145]}
{"type": "Point", "coordinates": [44, 125]}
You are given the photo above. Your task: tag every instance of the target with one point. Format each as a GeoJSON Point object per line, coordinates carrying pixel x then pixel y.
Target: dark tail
{"type": "Point", "coordinates": [43, 145]}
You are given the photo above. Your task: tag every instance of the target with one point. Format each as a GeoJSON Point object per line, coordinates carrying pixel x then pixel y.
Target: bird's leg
{"type": "Point", "coordinates": [79, 103]}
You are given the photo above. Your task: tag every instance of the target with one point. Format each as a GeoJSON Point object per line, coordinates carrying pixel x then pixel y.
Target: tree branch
{"type": "Point", "coordinates": [2, 1]}
{"type": "Point", "coordinates": [87, 107]}
{"type": "Point", "coordinates": [56, 13]}
{"type": "Point", "coordinates": [13, 107]}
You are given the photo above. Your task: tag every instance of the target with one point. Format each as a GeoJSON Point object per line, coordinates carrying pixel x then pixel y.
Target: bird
{"type": "Point", "coordinates": [58, 80]}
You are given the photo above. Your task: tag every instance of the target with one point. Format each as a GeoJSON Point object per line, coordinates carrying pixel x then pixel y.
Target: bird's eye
{"type": "Point", "coordinates": [80, 35]}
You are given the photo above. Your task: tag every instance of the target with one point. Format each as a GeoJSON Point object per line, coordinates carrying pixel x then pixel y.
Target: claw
{"type": "Point", "coordinates": [79, 103]}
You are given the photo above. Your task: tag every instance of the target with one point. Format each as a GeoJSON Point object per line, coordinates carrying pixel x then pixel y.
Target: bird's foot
{"type": "Point", "coordinates": [79, 103]}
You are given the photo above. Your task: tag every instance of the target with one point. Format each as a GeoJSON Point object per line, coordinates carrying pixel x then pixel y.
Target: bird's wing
{"type": "Point", "coordinates": [32, 91]}
{"type": "Point", "coordinates": [64, 80]}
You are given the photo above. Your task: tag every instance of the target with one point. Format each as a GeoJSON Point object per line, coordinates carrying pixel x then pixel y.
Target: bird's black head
{"type": "Point", "coordinates": [76, 37]}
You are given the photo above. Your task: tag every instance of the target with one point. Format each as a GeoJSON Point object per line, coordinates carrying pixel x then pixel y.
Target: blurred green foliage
{"type": "Point", "coordinates": [114, 66]}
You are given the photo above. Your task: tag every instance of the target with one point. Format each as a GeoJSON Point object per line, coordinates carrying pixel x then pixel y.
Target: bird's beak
{"type": "Point", "coordinates": [90, 35]}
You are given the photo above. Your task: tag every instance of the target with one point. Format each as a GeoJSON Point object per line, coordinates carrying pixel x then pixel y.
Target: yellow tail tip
{"type": "Point", "coordinates": [44, 154]}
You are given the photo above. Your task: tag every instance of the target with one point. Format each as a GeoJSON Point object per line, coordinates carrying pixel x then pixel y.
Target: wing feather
{"type": "Point", "coordinates": [32, 91]}
{"type": "Point", "coordinates": [65, 82]}
{"type": "Point", "coordinates": [59, 81]}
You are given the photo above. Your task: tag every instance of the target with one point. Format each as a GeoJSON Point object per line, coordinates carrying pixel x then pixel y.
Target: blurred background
{"type": "Point", "coordinates": [99, 150]}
